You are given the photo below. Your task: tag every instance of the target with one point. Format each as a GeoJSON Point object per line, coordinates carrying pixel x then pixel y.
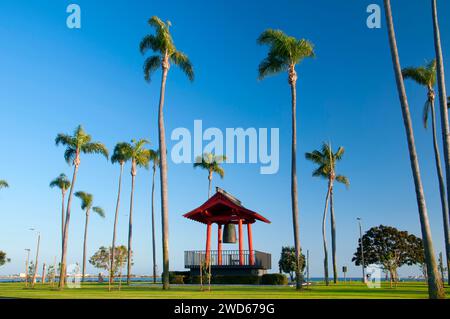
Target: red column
{"type": "Point", "coordinates": [219, 244]}
{"type": "Point", "coordinates": [250, 244]}
{"type": "Point", "coordinates": [208, 242]}
{"type": "Point", "coordinates": [241, 244]}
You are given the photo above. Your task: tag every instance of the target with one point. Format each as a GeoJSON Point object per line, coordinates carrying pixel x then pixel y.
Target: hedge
{"type": "Point", "coordinates": [274, 279]}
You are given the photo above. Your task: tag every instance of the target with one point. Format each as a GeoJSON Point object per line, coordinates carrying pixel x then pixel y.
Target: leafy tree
{"type": "Point", "coordinates": [326, 159]}
{"type": "Point", "coordinates": [161, 43]}
{"type": "Point", "coordinates": [63, 183]}
{"type": "Point", "coordinates": [3, 258]}
{"type": "Point", "coordinates": [86, 205]}
{"type": "Point", "coordinates": [76, 144]}
{"type": "Point", "coordinates": [101, 259]}
{"type": "Point", "coordinates": [435, 289]}
{"type": "Point", "coordinates": [285, 52]}
{"type": "Point", "coordinates": [287, 262]}
{"type": "Point", "coordinates": [140, 157]}
{"type": "Point", "coordinates": [121, 155]}
{"type": "Point", "coordinates": [426, 77]}
{"type": "Point", "coordinates": [389, 248]}
{"type": "Point", "coordinates": [155, 159]}
{"type": "Point", "coordinates": [211, 163]}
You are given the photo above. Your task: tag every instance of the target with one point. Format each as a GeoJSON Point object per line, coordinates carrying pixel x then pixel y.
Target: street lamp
{"type": "Point", "coordinates": [26, 266]}
{"type": "Point", "coordinates": [362, 251]}
{"type": "Point", "coordinates": [37, 258]}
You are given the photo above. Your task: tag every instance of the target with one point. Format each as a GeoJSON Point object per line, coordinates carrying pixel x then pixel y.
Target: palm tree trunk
{"type": "Point", "coordinates": [441, 187]}
{"type": "Point", "coordinates": [62, 216]}
{"type": "Point", "coordinates": [324, 236]}
{"type": "Point", "coordinates": [444, 112]}
{"type": "Point", "coordinates": [210, 183]}
{"type": "Point", "coordinates": [62, 272]}
{"type": "Point", "coordinates": [294, 194]}
{"type": "Point", "coordinates": [153, 225]}
{"type": "Point", "coordinates": [37, 261]}
{"type": "Point", "coordinates": [163, 177]}
{"type": "Point", "coordinates": [85, 244]}
{"type": "Point", "coordinates": [435, 289]}
{"type": "Point", "coordinates": [333, 237]}
{"type": "Point", "coordinates": [130, 229]}
{"type": "Point", "coordinates": [113, 246]}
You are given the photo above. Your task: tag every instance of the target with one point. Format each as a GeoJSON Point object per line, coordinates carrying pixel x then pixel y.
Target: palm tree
{"type": "Point", "coordinates": [79, 142]}
{"type": "Point", "coordinates": [426, 76]}
{"type": "Point", "coordinates": [3, 184]}
{"type": "Point", "coordinates": [63, 183]}
{"type": "Point", "coordinates": [121, 156]}
{"type": "Point", "coordinates": [443, 103]}
{"type": "Point", "coordinates": [86, 205]}
{"type": "Point", "coordinates": [327, 160]}
{"type": "Point", "coordinates": [435, 289]}
{"type": "Point", "coordinates": [285, 52]}
{"type": "Point", "coordinates": [211, 163]}
{"type": "Point", "coordinates": [162, 44]}
{"type": "Point", "coordinates": [139, 157]}
{"type": "Point", "coordinates": [155, 158]}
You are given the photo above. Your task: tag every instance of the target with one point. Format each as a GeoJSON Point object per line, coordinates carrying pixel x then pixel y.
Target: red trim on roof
{"type": "Point", "coordinates": [233, 211]}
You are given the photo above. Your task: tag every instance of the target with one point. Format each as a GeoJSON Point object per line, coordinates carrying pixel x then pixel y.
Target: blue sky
{"type": "Point", "coordinates": [54, 78]}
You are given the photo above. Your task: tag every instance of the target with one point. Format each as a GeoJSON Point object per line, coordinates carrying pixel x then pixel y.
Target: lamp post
{"type": "Point", "coordinates": [362, 251]}
{"type": "Point", "coordinates": [26, 266]}
{"type": "Point", "coordinates": [37, 258]}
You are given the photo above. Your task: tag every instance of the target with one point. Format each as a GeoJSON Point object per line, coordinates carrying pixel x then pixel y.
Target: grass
{"type": "Point", "coordinates": [407, 290]}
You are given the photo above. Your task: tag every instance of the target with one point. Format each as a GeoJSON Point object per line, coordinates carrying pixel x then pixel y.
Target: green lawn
{"type": "Point", "coordinates": [93, 290]}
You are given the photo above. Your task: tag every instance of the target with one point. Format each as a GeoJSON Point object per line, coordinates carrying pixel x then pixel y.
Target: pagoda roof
{"type": "Point", "coordinates": [224, 208]}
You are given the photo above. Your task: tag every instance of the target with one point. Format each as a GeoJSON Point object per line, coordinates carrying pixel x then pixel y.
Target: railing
{"type": "Point", "coordinates": [228, 258]}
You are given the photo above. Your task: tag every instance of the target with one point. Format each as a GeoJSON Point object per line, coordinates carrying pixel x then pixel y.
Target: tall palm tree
{"type": "Point", "coordinates": [211, 163]}
{"type": "Point", "coordinates": [120, 155]}
{"type": "Point", "coordinates": [442, 100]}
{"type": "Point", "coordinates": [285, 52]}
{"type": "Point", "coordinates": [155, 159]}
{"type": "Point", "coordinates": [327, 159]}
{"type": "Point", "coordinates": [76, 144]}
{"type": "Point", "coordinates": [162, 44]}
{"type": "Point", "coordinates": [86, 205]}
{"type": "Point", "coordinates": [63, 183]}
{"type": "Point", "coordinates": [139, 157]}
{"type": "Point", "coordinates": [3, 184]}
{"type": "Point", "coordinates": [426, 76]}
{"type": "Point", "coordinates": [435, 289]}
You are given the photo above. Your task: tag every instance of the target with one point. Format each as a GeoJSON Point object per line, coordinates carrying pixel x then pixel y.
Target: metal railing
{"type": "Point", "coordinates": [228, 258]}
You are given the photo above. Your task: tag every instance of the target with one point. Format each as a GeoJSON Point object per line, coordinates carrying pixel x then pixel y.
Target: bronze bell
{"type": "Point", "coordinates": [229, 234]}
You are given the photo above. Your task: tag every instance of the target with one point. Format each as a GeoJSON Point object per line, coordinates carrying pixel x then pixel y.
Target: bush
{"type": "Point", "coordinates": [227, 280]}
{"type": "Point", "coordinates": [179, 277]}
{"type": "Point", "coordinates": [274, 279]}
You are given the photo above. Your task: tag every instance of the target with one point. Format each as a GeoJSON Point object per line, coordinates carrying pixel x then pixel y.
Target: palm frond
{"type": "Point", "coordinates": [86, 199]}
{"type": "Point", "coordinates": [151, 64]}
{"type": "Point", "coordinates": [340, 152]}
{"type": "Point", "coordinates": [316, 157]}
{"type": "Point", "coordinates": [3, 184]}
{"type": "Point", "coordinates": [426, 111]}
{"type": "Point", "coordinates": [149, 42]}
{"type": "Point", "coordinates": [69, 155]}
{"type": "Point", "coordinates": [121, 153]}
{"type": "Point", "coordinates": [100, 212]}
{"type": "Point", "coordinates": [420, 75]}
{"type": "Point", "coordinates": [65, 140]}
{"type": "Point", "coordinates": [343, 180]}
{"type": "Point", "coordinates": [62, 182]}
{"type": "Point", "coordinates": [182, 61]}
{"type": "Point", "coordinates": [95, 148]}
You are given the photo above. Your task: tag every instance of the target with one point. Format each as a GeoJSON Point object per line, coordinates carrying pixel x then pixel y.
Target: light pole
{"type": "Point", "coordinates": [37, 258]}
{"type": "Point", "coordinates": [26, 266]}
{"type": "Point", "coordinates": [362, 251]}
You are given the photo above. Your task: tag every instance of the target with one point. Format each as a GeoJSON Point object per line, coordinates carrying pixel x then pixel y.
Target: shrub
{"type": "Point", "coordinates": [227, 280]}
{"type": "Point", "coordinates": [179, 277]}
{"type": "Point", "coordinates": [274, 279]}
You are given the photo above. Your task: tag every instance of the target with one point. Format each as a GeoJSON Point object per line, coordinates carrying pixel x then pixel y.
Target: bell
{"type": "Point", "coordinates": [229, 234]}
